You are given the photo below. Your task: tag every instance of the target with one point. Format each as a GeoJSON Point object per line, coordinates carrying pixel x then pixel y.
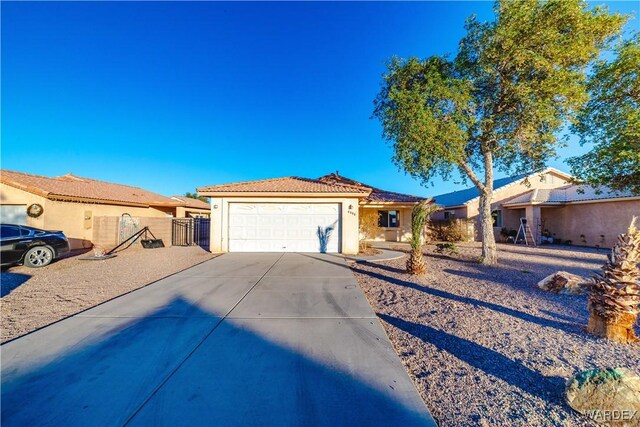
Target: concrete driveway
{"type": "Point", "coordinates": [243, 339]}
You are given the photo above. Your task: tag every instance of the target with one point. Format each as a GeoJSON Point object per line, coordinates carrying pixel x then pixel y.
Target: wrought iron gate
{"type": "Point", "coordinates": [191, 232]}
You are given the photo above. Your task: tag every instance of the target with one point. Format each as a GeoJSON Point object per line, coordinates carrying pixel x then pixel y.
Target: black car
{"type": "Point", "coordinates": [30, 246]}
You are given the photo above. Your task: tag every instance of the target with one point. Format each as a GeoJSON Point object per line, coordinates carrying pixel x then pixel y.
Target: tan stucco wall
{"type": "Point", "coordinates": [220, 218]}
{"type": "Point", "coordinates": [106, 229]}
{"type": "Point", "coordinates": [393, 234]}
{"type": "Point", "coordinates": [70, 216]}
{"type": "Point", "coordinates": [458, 213]}
{"type": "Point", "coordinates": [182, 212]}
{"type": "Point", "coordinates": [600, 223]}
{"type": "Point", "coordinates": [13, 196]}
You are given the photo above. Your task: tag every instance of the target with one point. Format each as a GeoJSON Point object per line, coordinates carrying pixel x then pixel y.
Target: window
{"type": "Point", "coordinates": [449, 215]}
{"type": "Point", "coordinates": [547, 177]}
{"type": "Point", "coordinates": [497, 217]}
{"type": "Point", "coordinates": [388, 218]}
{"type": "Point", "coordinates": [8, 232]}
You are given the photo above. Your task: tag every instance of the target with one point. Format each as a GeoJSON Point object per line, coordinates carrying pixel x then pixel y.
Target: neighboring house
{"type": "Point", "coordinates": [579, 214]}
{"type": "Point", "coordinates": [192, 208]}
{"type": "Point", "coordinates": [295, 214]}
{"type": "Point", "coordinates": [70, 203]}
{"type": "Point", "coordinates": [552, 206]}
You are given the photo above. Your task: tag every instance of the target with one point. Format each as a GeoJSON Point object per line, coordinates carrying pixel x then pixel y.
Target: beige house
{"type": "Point", "coordinates": [554, 208]}
{"type": "Point", "coordinates": [576, 214]}
{"type": "Point", "coordinates": [191, 208]}
{"type": "Point", "coordinates": [295, 214]}
{"type": "Point", "coordinates": [392, 209]}
{"type": "Point", "coordinates": [71, 203]}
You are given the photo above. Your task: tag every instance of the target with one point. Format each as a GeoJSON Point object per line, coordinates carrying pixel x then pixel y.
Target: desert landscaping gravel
{"type": "Point", "coordinates": [483, 345]}
{"type": "Point", "coordinates": [36, 297]}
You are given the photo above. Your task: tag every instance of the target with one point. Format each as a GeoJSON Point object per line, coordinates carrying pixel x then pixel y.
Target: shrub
{"type": "Point", "coordinates": [454, 230]}
{"type": "Point", "coordinates": [449, 248]}
{"type": "Point", "coordinates": [368, 227]}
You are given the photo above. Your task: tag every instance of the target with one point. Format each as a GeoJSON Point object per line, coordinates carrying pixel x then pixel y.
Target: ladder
{"type": "Point", "coordinates": [526, 233]}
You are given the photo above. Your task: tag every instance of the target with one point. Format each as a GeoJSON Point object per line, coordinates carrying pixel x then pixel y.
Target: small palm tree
{"type": "Point", "coordinates": [614, 299]}
{"type": "Point", "coordinates": [419, 219]}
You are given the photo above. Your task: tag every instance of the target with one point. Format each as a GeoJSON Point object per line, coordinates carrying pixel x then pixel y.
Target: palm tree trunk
{"type": "Point", "coordinates": [614, 298]}
{"type": "Point", "coordinates": [620, 329]}
{"type": "Point", "coordinates": [415, 263]}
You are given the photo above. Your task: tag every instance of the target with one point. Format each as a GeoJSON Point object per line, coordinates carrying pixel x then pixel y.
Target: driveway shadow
{"type": "Point", "coordinates": [183, 365]}
{"type": "Point", "coordinates": [489, 361]}
{"type": "Point", "coordinates": [10, 281]}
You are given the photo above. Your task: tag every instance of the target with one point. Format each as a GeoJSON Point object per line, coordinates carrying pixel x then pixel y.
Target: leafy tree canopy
{"type": "Point", "coordinates": [503, 98]}
{"type": "Point", "coordinates": [611, 121]}
{"type": "Point", "coordinates": [196, 196]}
{"type": "Point", "coordinates": [500, 102]}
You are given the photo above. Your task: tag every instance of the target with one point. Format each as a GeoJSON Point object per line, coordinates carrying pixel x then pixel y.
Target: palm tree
{"type": "Point", "coordinates": [419, 219]}
{"type": "Point", "coordinates": [614, 299]}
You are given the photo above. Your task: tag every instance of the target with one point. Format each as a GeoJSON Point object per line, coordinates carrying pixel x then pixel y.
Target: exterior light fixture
{"type": "Point", "coordinates": [350, 207]}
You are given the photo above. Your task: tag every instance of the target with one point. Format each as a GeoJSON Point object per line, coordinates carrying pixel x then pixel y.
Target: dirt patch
{"type": "Point", "coordinates": [484, 345]}
{"type": "Point", "coordinates": [32, 297]}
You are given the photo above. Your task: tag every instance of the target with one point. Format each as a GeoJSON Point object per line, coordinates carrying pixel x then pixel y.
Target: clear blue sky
{"type": "Point", "coordinates": [172, 96]}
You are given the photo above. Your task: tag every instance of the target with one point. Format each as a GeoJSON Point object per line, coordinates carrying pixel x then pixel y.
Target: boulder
{"type": "Point", "coordinates": [608, 396]}
{"type": "Point", "coordinates": [565, 283]}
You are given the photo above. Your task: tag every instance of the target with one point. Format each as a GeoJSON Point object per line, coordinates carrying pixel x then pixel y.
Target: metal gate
{"type": "Point", "coordinates": [191, 232]}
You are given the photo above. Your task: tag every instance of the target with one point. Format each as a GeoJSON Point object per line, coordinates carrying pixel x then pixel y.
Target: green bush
{"type": "Point", "coordinates": [449, 248]}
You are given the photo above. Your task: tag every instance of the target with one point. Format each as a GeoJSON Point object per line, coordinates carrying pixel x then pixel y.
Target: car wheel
{"type": "Point", "coordinates": [38, 257]}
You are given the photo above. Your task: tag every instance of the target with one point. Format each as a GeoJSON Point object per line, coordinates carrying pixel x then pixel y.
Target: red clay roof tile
{"type": "Point", "coordinates": [376, 195]}
{"type": "Point", "coordinates": [71, 187]}
{"type": "Point", "coordinates": [290, 184]}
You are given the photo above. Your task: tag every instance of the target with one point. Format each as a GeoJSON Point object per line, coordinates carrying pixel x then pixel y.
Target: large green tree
{"type": "Point", "coordinates": [501, 102]}
{"type": "Point", "coordinates": [611, 121]}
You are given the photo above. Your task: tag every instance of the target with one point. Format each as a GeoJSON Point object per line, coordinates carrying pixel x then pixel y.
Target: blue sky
{"type": "Point", "coordinates": [172, 96]}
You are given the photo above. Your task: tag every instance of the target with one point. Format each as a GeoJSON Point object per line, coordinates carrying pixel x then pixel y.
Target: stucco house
{"type": "Point", "coordinates": [70, 203]}
{"type": "Point", "coordinates": [553, 207]}
{"type": "Point", "coordinates": [191, 208]}
{"type": "Point", "coordinates": [294, 214]}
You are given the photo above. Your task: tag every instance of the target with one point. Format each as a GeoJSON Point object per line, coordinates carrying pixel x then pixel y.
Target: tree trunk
{"type": "Point", "coordinates": [489, 255]}
{"type": "Point", "coordinates": [620, 330]}
{"type": "Point", "coordinates": [415, 263]}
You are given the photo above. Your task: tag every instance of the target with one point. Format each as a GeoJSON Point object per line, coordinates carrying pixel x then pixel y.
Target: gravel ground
{"type": "Point", "coordinates": [483, 345]}
{"type": "Point", "coordinates": [35, 297]}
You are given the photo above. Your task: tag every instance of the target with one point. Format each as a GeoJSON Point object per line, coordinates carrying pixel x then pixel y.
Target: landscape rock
{"type": "Point", "coordinates": [565, 283]}
{"type": "Point", "coordinates": [608, 396]}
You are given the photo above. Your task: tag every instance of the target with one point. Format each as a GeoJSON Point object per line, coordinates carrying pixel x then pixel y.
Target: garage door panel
{"type": "Point", "coordinates": [325, 209]}
{"type": "Point", "coordinates": [13, 214]}
{"type": "Point", "coordinates": [281, 227]}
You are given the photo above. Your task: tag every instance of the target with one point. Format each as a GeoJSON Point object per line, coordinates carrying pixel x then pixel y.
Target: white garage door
{"type": "Point", "coordinates": [284, 227]}
{"type": "Point", "coordinates": [13, 214]}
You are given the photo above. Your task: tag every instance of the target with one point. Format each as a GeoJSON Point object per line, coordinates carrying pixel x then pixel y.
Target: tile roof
{"type": "Point", "coordinates": [568, 194]}
{"type": "Point", "coordinates": [190, 202]}
{"type": "Point", "coordinates": [290, 184]}
{"type": "Point", "coordinates": [71, 187]}
{"type": "Point", "coordinates": [462, 197]}
{"type": "Point", "coordinates": [376, 195]}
